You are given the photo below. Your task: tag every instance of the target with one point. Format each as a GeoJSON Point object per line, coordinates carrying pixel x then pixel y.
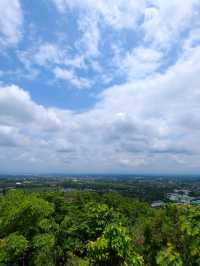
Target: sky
{"type": "Point", "coordinates": [107, 86]}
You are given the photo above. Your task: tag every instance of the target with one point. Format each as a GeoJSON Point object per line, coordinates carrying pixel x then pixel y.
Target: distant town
{"type": "Point", "coordinates": [157, 191]}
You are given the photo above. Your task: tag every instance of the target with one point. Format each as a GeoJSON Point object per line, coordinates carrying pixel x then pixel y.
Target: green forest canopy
{"type": "Point", "coordinates": [85, 228]}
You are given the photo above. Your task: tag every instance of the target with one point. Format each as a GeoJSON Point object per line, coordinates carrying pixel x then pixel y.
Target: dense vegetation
{"type": "Point", "coordinates": [86, 228]}
{"type": "Point", "coordinates": [147, 189]}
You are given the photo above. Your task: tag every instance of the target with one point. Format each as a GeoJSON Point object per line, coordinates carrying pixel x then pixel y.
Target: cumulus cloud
{"type": "Point", "coordinates": [134, 126]}
{"type": "Point", "coordinates": [139, 63]}
{"type": "Point", "coordinates": [161, 20]}
{"type": "Point", "coordinates": [11, 19]}
{"type": "Point", "coordinates": [56, 59]}
{"type": "Point", "coordinates": [146, 120]}
{"type": "Point", "coordinates": [69, 75]}
{"type": "Point", "coordinates": [118, 14]}
{"type": "Point", "coordinates": [165, 21]}
{"type": "Point", "coordinates": [10, 137]}
{"type": "Point", "coordinates": [43, 54]}
{"type": "Point", "coordinates": [17, 109]}
{"type": "Point", "coordinates": [159, 26]}
{"type": "Point", "coordinates": [89, 42]}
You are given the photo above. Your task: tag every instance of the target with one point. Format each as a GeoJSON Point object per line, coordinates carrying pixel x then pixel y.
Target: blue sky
{"type": "Point", "coordinates": [100, 86]}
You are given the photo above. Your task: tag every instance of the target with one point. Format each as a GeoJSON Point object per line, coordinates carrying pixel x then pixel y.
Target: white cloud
{"type": "Point", "coordinates": [163, 20]}
{"type": "Point", "coordinates": [47, 54]}
{"type": "Point", "coordinates": [69, 75]}
{"type": "Point", "coordinates": [43, 54]}
{"type": "Point", "coordinates": [138, 126]}
{"type": "Point", "coordinates": [166, 20]}
{"type": "Point", "coordinates": [57, 60]}
{"type": "Point", "coordinates": [156, 25]}
{"type": "Point", "coordinates": [11, 19]}
{"type": "Point", "coordinates": [150, 122]}
{"type": "Point", "coordinates": [89, 42]}
{"type": "Point", "coordinates": [193, 39]}
{"type": "Point", "coordinates": [140, 62]}
{"type": "Point", "coordinates": [17, 109]}
{"type": "Point", "coordinates": [10, 137]}
{"type": "Point", "coordinates": [117, 13]}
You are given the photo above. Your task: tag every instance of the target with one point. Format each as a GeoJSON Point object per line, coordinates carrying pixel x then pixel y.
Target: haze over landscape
{"type": "Point", "coordinates": [109, 86]}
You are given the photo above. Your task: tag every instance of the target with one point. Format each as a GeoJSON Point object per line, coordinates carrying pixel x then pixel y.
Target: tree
{"type": "Point", "coordinates": [12, 249]}
{"type": "Point", "coordinates": [169, 257]}
{"type": "Point", "coordinates": [189, 221]}
{"type": "Point", "coordinates": [43, 250]}
{"type": "Point", "coordinates": [23, 212]}
{"type": "Point", "coordinates": [113, 248]}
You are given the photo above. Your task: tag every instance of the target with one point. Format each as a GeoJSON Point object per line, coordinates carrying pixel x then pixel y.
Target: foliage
{"type": "Point", "coordinates": [113, 248]}
{"type": "Point", "coordinates": [87, 228]}
{"type": "Point", "coordinates": [12, 249]}
{"type": "Point", "coordinates": [168, 257]}
{"type": "Point", "coordinates": [43, 249]}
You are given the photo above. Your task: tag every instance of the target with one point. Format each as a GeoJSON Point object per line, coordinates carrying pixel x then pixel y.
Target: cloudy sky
{"type": "Point", "coordinates": [107, 86]}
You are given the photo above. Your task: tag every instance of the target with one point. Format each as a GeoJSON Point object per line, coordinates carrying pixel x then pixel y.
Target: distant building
{"type": "Point", "coordinates": [157, 204]}
{"type": "Point", "coordinates": [179, 198]}
{"type": "Point", "coordinates": [195, 202]}
{"type": "Point", "coordinates": [182, 191]}
{"type": "Point", "coordinates": [10, 188]}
